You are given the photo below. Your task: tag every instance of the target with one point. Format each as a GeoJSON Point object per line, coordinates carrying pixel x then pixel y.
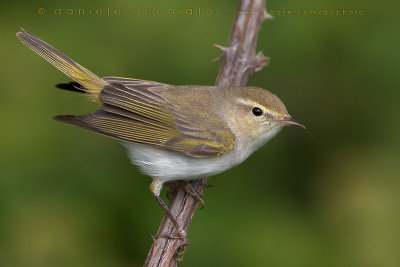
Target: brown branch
{"type": "Point", "coordinates": [238, 62]}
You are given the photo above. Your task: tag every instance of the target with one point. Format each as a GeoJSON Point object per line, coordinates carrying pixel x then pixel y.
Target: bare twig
{"type": "Point", "coordinates": [238, 62]}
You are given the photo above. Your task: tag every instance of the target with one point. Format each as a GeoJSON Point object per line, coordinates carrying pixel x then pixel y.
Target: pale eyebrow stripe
{"type": "Point", "coordinates": [242, 101]}
{"type": "Point", "coordinates": [246, 102]}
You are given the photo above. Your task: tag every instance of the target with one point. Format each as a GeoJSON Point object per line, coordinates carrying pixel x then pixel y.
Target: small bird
{"type": "Point", "coordinates": [172, 132]}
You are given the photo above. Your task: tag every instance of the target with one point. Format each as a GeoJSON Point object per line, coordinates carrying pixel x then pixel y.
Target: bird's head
{"type": "Point", "coordinates": [256, 114]}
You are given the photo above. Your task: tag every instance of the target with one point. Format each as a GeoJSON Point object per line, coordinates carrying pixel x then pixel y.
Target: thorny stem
{"type": "Point", "coordinates": [238, 62]}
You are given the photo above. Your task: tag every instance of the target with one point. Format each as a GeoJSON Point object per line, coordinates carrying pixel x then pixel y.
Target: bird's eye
{"type": "Point", "coordinates": [256, 111]}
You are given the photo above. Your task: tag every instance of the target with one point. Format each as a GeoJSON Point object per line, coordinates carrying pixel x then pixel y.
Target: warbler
{"type": "Point", "coordinates": [172, 132]}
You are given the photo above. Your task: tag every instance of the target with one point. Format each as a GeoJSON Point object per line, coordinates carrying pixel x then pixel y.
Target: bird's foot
{"type": "Point", "coordinates": [175, 186]}
{"type": "Point", "coordinates": [181, 250]}
{"type": "Point", "coordinates": [196, 194]}
{"type": "Point", "coordinates": [180, 235]}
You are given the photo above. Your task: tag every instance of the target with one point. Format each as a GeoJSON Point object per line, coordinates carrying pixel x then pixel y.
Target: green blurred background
{"type": "Point", "coordinates": [326, 196]}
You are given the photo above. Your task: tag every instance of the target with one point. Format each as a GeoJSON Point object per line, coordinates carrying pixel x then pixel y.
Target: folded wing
{"type": "Point", "coordinates": [136, 111]}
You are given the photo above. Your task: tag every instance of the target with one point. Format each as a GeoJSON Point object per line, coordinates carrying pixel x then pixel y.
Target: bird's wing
{"type": "Point", "coordinates": [136, 111]}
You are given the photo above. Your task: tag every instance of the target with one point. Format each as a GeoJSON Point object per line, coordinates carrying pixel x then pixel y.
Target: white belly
{"type": "Point", "coordinates": [167, 166]}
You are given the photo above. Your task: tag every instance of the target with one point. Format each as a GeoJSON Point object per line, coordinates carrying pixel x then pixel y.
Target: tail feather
{"type": "Point", "coordinates": [90, 82]}
{"type": "Point", "coordinates": [71, 86]}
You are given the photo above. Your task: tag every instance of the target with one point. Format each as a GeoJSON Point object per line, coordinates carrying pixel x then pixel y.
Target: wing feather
{"type": "Point", "coordinates": [137, 111]}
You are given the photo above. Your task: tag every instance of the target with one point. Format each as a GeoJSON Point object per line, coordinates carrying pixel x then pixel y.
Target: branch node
{"type": "Point", "coordinates": [260, 61]}
{"type": "Point", "coordinates": [216, 59]}
{"type": "Point", "coordinates": [238, 62]}
{"type": "Point", "coordinates": [153, 239]}
{"type": "Point", "coordinates": [220, 47]}
{"type": "Point", "coordinates": [267, 16]}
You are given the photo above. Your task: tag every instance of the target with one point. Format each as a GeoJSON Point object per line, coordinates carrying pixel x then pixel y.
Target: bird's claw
{"type": "Point", "coordinates": [196, 194]}
{"type": "Point", "coordinates": [181, 250]}
{"type": "Point", "coordinates": [181, 235]}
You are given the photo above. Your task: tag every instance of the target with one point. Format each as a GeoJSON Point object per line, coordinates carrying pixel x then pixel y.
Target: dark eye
{"type": "Point", "coordinates": [257, 111]}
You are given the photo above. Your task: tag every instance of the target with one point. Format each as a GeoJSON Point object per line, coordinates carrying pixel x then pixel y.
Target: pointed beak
{"type": "Point", "coordinates": [291, 122]}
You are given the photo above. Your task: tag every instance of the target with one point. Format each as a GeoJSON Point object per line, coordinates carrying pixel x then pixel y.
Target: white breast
{"type": "Point", "coordinates": [167, 166]}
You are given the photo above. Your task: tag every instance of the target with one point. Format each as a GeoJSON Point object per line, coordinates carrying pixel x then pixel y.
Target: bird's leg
{"type": "Point", "coordinates": [155, 189]}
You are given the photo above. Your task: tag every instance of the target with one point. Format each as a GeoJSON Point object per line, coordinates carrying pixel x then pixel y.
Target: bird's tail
{"type": "Point", "coordinates": [90, 82]}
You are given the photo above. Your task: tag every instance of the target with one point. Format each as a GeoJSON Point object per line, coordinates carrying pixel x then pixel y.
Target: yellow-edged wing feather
{"type": "Point", "coordinates": [138, 111]}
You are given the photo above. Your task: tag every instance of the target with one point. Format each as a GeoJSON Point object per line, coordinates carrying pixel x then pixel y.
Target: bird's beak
{"type": "Point", "coordinates": [291, 122]}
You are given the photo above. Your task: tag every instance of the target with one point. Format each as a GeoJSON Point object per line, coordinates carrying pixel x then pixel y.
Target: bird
{"type": "Point", "coordinates": [171, 132]}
